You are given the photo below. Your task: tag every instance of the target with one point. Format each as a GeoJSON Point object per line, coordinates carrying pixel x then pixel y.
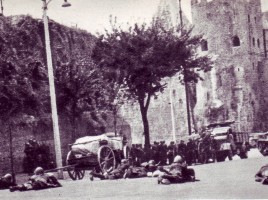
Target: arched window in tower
{"type": "Point", "coordinates": [236, 41]}
{"type": "Point", "coordinates": [248, 18]}
{"type": "Point", "coordinates": [258, 43]}
{"type": "Point", "coordinates": [253, 42]}
{"type": "Point", "coordinates": [204, 45]}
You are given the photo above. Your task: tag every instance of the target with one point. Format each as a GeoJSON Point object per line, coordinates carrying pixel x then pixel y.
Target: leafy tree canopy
{"type": "Point", "coordinates": [144, 55]}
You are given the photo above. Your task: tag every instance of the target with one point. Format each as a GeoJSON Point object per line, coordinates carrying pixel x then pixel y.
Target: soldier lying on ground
{"type": "Point", "coordinates": [112, 173]}
{"type": "Point", "coordinates": [6, 182]}
{"type": "Point", "coordinates": [177, 173]}
{"type": "Point", "coordinates": [262, 175]}
{"type": "Point", "coordinates": [38, 181]}
{"type": "Point", "coordinates": [145, 170]}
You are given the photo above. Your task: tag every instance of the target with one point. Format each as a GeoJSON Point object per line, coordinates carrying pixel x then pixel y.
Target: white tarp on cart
{"type": "Point", "coordinates": [91, 144]}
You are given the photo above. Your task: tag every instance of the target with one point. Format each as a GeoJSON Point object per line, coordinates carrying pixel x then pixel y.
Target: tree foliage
{"type": "Point", "coordinates": [145, 55]}
{"type": "Point", "coordinates": [24, 81]}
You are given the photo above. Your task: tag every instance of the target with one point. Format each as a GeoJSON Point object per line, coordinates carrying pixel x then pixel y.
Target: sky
{"type": "Point", "coordinates": [93, 15]}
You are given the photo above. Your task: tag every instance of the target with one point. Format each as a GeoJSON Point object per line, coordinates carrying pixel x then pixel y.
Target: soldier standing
{"type": "Point", "coordinates": [171, 152]}
{"type": "Point", "coordinates": [190, 158]}
{"type": "Point", "coordinates": [182, 149]}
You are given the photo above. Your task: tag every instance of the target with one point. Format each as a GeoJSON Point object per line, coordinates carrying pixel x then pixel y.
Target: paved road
{"type": "Point", "coordinates": [226, 180]}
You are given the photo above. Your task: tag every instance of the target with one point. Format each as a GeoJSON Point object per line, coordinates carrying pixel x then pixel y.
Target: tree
{"type": "Point", "coordinates": [79, 85]}
{"type": "Point", "coordinates": [147, 54]}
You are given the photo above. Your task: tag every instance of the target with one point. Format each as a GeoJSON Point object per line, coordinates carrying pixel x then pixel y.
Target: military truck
{"type": "Point", "coordinates": [262, 143]}
{"type": "Point", "coordinates": [220, 142]}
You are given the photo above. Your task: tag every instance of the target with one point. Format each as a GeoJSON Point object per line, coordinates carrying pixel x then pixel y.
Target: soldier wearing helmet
{"type": "Point", "coordinates": [177, 173]}
{"type": "Point", "coordinates": [262, 175]}
{"type": "Point", "coordinates": [40, 180]}
{"type": "Point", "coordinates": [6, 181]}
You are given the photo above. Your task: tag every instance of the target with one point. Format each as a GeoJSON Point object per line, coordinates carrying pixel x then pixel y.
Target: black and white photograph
{"type": "Point", "coordinates": [133, 99]}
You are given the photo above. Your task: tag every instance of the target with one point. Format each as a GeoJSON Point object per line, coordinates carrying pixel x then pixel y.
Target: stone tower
{"type": "Point", "coordinates": [233, 32]}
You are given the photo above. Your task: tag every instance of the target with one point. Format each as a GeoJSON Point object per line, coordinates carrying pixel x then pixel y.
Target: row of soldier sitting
{"type": "Point", "coordinates": [38, 181]}
{"type": "Point", "coordinates": [177, 172]}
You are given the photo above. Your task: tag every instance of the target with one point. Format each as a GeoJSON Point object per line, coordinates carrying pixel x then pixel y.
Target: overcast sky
{"type": "Point", "coordinates": [93, 15]}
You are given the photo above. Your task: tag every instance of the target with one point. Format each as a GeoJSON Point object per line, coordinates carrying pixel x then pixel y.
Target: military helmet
{"type": "Point", "coordinates": [124, 161]}
{"type": "Point", "coordinates": [265, 173]}
{"type": "Point", "coordinates": [8, 176]}
{"type": "Point", "coordinates": [165, 181]}
{"type": "Point", "coordinates": [151, 162]}
{"type": "Point", "coordinates": [177, 159]}
{"type": "Point", "coordinates": [38, 171]}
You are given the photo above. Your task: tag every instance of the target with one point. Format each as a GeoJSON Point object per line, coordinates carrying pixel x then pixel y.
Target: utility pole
{"type": "Point", "coordinates": [185, 80]}
{"type": "Point", "coordinates": [2, 8]}
{"type": "Point", "coordinates": [11, 152]}
{"type": "Point", "coordinates": [180, 14]}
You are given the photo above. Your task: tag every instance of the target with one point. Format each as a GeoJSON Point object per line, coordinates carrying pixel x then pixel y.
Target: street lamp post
{"type": "Point", "coordinates": [2, 8]}
{"type": "Point", "coordinates": [54, 113]}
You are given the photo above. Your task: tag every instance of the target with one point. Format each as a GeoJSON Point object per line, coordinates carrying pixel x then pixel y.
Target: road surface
{"type": "Point", "coordinates": [225, 180]}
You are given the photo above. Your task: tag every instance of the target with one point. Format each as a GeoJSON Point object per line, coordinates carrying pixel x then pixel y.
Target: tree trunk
{"type": "Point", "coordinates": [115, 121]}
{"type": "Point", "coordinates": [146, 133]}
{"type": "Point", "coordinates": [73, 121]}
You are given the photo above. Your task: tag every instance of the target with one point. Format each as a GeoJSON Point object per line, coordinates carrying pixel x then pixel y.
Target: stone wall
{"type": "Point", "coordinates": [159, 114]}
{"type": "Point", "coordinates": [234, 81]}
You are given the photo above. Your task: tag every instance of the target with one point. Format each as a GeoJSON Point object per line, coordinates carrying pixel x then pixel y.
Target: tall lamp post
{"type": "Point", "coordinates": [54, 113]}
{"type": "Point", "coordinates": [2, 8]}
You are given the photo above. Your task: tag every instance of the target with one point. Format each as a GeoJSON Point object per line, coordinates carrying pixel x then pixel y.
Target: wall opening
{"type": "Point", "coordinates": [236, 41]}
{"type": "Point", "coordinates": [258, 43]}
{"type": "Point", "coordinates": [204, 45]}
{"type": "Point", "coordinates": [253, 42]}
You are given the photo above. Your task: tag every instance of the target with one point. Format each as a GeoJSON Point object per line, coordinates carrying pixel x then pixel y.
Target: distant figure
{"type": "Point", "coordinates": [182, 149]}
{"type": "Point", "coordinates": [38, 181]}
{"type": "Point", "coordinates": [6, 182]}
{"type": "Point", "coordinates": [171, 152]}
{"type": "Point", "coordinates": [163, 153]}
{"type": "Point", "coordinates": [190, 158]}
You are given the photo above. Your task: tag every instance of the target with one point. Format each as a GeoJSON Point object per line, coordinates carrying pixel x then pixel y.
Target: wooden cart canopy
{"type": "Point", "coordinates": [91, 144]}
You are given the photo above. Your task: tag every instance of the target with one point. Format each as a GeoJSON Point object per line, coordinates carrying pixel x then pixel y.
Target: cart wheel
{"type": "Point", "coordinates": [126, 152]}
{"type": "Point", "coordinates": [106, 159]}
{"type": "Point", "coordinates": [76, 173]}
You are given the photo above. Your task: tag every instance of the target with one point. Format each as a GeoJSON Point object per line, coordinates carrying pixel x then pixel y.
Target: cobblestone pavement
{"type": "Point", "coordinates": [225, 180]}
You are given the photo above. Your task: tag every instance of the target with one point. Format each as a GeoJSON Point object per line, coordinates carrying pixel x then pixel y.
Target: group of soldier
{"type": "Point", "coordinates": [36, 154]}
{"type": "Point", "coordinates": [164, 154]}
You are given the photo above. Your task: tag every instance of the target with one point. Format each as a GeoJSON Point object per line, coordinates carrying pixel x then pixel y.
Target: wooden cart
{"type": "Point", "coordinates": [99, 153]}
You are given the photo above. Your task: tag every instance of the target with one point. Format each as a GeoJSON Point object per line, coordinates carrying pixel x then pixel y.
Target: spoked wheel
{"type": "Point", "coordinates": [76, 173]}
{"type": "Point", "coordinates": [106, 159]}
